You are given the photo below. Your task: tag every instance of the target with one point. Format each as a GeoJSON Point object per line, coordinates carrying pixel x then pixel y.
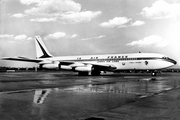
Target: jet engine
{"type": "Point", "coordinates": [49, 66]}
{"type": "Point", "coordinates": [83, 69]}
{"type": "Point", "coordinates": [58, 66]}
{"type": "Point", "coordinates": [64, 67]}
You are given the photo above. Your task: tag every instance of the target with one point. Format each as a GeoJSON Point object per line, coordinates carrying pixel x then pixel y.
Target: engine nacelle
{"type": "Point", "coordinates": [83, 69]}
{"type": "Point", "coordinates": [64, 67]}
{"type": "Point", "coordinates": [50, 66]}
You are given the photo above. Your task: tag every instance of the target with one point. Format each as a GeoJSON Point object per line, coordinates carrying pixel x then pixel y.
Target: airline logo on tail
{"type": "Point", "coordinates": [41, 50]}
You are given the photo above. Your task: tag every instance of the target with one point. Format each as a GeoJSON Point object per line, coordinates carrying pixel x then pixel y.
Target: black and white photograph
{"type": "Point", "coordinates": [89, 59]}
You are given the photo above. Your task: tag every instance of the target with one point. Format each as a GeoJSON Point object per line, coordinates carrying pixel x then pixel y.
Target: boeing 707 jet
{"type": "Point", "coordinates": [95, 64]}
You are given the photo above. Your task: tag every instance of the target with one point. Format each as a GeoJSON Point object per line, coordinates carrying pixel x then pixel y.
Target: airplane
{"type": "Point", "coordinates": [95, 64]}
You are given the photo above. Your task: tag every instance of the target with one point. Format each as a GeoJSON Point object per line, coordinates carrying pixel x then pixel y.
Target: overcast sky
{"type": "Point", "coordinates": [82, 27]}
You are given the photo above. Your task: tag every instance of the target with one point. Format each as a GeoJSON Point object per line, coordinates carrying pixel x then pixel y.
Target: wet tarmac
{"type": "Point", "coordinates": [66, 96]}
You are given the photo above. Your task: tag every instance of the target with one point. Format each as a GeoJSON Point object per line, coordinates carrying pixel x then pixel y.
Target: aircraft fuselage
{"type": "Point", "coordinates": [135, 61]}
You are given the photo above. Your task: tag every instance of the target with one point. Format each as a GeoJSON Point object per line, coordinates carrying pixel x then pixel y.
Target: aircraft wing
{"type": "Point", "coordinates": [66, 62]}
{"type": "Point", "coordinates": [98, 66]}
{"type": "Point", "coordinates": [22, 59]}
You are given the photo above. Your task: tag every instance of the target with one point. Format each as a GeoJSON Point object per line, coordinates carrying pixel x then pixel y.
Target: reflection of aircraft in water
{"type": "Point", "coordinates": [40, 95]}
{"type": "Point", "coordinates": [95, 64]}
{"type": "Point", "coordinates": [90, 88]}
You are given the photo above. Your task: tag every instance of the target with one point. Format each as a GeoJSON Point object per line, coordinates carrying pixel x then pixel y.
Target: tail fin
{"type": "Point", "coordinates": [41, 50]}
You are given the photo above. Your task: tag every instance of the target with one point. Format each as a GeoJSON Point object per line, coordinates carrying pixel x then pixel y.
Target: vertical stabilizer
{"type": "Point", "coordinates": [41, 50]}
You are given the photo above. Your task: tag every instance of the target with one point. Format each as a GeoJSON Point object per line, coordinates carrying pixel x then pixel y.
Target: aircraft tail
{"type": "Point", "coordinates": [41, 50]}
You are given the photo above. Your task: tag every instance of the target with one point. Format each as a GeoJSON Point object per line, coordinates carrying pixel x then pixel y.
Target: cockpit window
{"type": "Point", "coordinates": [165, 57]}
